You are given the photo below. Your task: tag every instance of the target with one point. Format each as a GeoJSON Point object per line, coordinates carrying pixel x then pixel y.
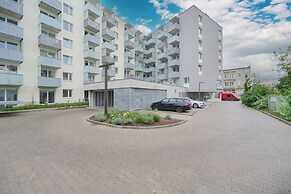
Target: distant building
{"type": "Point", "coordinates": [234, 79]}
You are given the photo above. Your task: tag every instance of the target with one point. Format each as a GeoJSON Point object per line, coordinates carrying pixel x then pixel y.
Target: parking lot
{"type": "Point", "coordinates": [224, 148]}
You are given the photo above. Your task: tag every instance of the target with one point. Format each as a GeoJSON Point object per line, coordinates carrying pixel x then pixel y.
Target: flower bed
{"type": "Point", "coordinates": [133, 118]}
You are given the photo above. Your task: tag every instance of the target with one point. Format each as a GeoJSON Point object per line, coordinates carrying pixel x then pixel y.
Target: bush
{"type": "Point", "coordinates": [128, 121]}
{"type": "Point", "coordinates": [114, 113]}
{"type": "Point", "coordinates": [116, 121]}
{"type": "Point", "coordinates": [139, 118]}
{"type": "Point", "coordinates": [100, 117]}
{"type": "Point", "coordinates": [168, 117]}
{"type": "Point", "coordinates": [261, 103]}
{"type": "Point", "coordinates": [148, 119]}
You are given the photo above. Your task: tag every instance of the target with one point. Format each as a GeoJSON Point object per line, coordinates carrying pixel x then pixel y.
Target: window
{"type": "Point", "coordinates": [47, 54]}
{"type": "Point", "coordinates": [200, 56]}
{"type": "Point", "coordinates": [68, 60]}
{"type": "Point", "coordinates": [48, 34]}
{"type": "Point", "coordinates": [8, 95]}
{"type": "Point", "coordinates": [8, 45]}
{"type": "Point", "coordinates": [68, 26]}
{"type": "Point", "coordinates": [47, 73]}
{"type": "Point", "coordinates": [2, 95]}
{"type": "Point", "coordinates": [46, 96]}
{"type": "Point", "coordinates": [12, 22]}
{"type": "Point", "coordinates": [68, 9]}
{"type": "Point", "coordinates": [200, 68]}
{"type": "Point", "coordinates": [47, 14]}
{"type": "Point", "coordinates": [67, 76]}
{"type": "Point", "coordinates": [68, 43]}
{"type": "Point", "coordinates": [200, 18]}
{"type": "Point", "coordinates": [200, 31]}
{"type": "Point", "coordinates": [67, 93]}
{"type": "Point", "coordinates": [186, 80]}
{"type": "Point", "coordinates": [8, 68]}
{"type": "Point", "coordinates": [200, 43]}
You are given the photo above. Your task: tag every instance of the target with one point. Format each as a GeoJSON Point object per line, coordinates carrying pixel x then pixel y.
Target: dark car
{"type": "Point", "coordinates": [174, 104]}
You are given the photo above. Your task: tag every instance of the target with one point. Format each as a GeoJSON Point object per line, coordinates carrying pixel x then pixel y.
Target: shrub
{"type": "Point", "coordinates": [168, 117]}
{"type": "Point", "coordinates": [100, 117]}
{"type": "Point", "coordinates": [261, 103]}
{"type": "Point", "coordinates": [116, 121]}
{"type": "Point", "coordinates": [156, 117]}
{"type": "Point", "coordinates": [139, 118]}
{"type": "Point", "coordinates": [128, 121]}
{"type": "Point", "coordinates": [148, 119]}
{"type": "Point", "coordinates": [114, 113]}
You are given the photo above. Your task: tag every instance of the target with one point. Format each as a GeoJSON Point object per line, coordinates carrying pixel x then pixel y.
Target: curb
{"type": "Point", "coordinates": [275, 117]}
{"type": "Point", "coordinates": [136, 127]}
{"type": "Point", "coordinates": [38, 110]}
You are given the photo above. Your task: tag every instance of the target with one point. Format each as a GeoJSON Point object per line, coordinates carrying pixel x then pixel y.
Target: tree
{"type": "Point", "coordinates": [247, 84]}
{"type": "Point", "coordinates": [284, 64]}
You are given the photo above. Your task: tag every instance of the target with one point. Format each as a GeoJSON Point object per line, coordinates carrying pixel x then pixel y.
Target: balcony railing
{"type": "Point", "coordinates": [92, 10]}
{"type": "Point", "coordinates": [49, 62]}
{"type": "Point", "coordinates": [174, 51]}
{"type": "Point", "coordinates": [111, 22]}
{"type": "Point", "coordinates": [129, 66]}
{"type": "Point", "coordinates": [91, 54]}
{"type": "Point", "coordinates": [129, 54]}
{"type": "Point", "coordinates": [174, 28]}
{"type": "Point", "coordinates": [49, 42]}
{"type": "Point", "coordinates": [108, 60]}
{"type": "Point", "coordinates": [129, 44]}
{"type": "Point", "coordinates": [174, 39]}
{"type": "Point", "coordinates": [10, 55]}
{"type": "Point", "coordinates": [162, 77]}
{"type": "Point", "coordinates": [109, 46]}
{"type": "Point", "coordinates": [175, 62]}
{"type": "Point", "coordinates": [130, 32]}
{"type": "Point", "coordinates": [11, 8]}
{"type": "Point", "coordinates": [54, 6]}
{"type": "Point", "coordinates": [10, 79]}
{"type": "Point", "coordinates": [138, 68]}
{"type": "Point", "coordinates": [109, 34]}
{"type": "Point", "coordinates": [149, 69]}
{"type": "Point", "coordinates": [91, 69]}
{"type": "Point", "coordinates": [93, 40]}
{"type": "Point", "coordinates": [91, 25]}
{"type": "Point", "coordinates": [49, 82]}
{"type": "Point", "coordinates": [162, 66]}
{"type": "Point", "coordinates": [49, 23]}
{"type": "Point", "coordinates": [174, 75]}
{"type": "Point", "coordinates": [11, 30]}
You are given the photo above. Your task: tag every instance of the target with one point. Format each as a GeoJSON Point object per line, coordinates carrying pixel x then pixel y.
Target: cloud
{"type": "Point", "coordinates": [144, 29]}
{"type": "Point", "coordinates": [280, 10]}
{"type": "Point", "coordinates": [143, 21]}
{"type": "Point", "coordinates": [162, 9]}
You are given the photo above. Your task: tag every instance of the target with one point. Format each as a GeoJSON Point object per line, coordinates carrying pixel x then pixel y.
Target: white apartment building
{"type": "Point", "coordinates": [52, 51]}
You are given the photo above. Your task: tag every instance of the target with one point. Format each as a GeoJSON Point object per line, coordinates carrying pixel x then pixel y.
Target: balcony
{"type": "Point", "coordinates": [109, 47]}
{"type": "Point", "coordinates": [162, 66]}
{"type": "Point", "coordinates": [139, 58]}
{"type": "Point", "coordinates": [200, 36]}
{"type": "Point", "coordinates": [162, 77]}
{"type": "Point", "coordinates": [174, 40]}
{"type": "Point", "coordinates": [138, 68]}
{"type": "Point", "coordinates": [49, 62]}
{"type": "Point", "coordinates": [149, 79]}
{"type": "Point", "coordinates": [175, 62]}
{"type": "Point", "coordinates": [151, 50]}
{"type": "Point", "coordinates": [139, 77]}
{"type": "Point", "coordinates": [150, 42]}
{"type": "Point", "coordinates": [139, 38]}
{"type": "Point", "coordinates": [200, 48]}
{"type": "Point", "coordinates": [219, 48]}
{"type": "Point", "coordinates": [149, 69]}
{"type": "Point", "coordinates": [174, 51]}
{"type": "Point", "coordinates": [11, 31]}
{"type": "Point", "coordinates": [92, 40]}
{"type": "Point", "coordinates": [109, 34]}
{"type": "Point", "coordinates": [91, 25]}
{"type": "Point", "coordinates": [163, 35]}
{"type": "Point", "coordinates": [174, 28]}
{"type": "Point", "coordinates": [109, 20]}
{"type": "Point", "coordinates": [11, 8]}
{"type": "Point", "coordinates": [49, 42]}
{"type": "Point", "coordinates": [150, 60]}
{"type": "Point", "coordinates": [10, 79]}
{"type": "Point", "coordinates": [129, 76]}
{"type": "Point", "coordinates": [162, 56]}
{"type": "Point", "coordinates": [91, 70]}
{"type": "Point", "coordinates": [200, 24]}
{"type": "Point", "coordinates": [108, 60]}
{"type": "Point", "coordinates": [92, 11]}
{"type": "Point", "coordinates": [219, 57]}
{"type": "Point", "coordinates": [53, 6]}
{"type": "Point", "coordinates": [49, 23]}
{"type": "Point", "coordinates": [174, 75]}
{"type": "Point", "coordinates": [13, 56]}
{"type": "Point", "coordinates": [128, 44]}
{"type": "Point", "coordinates": [129, 54]}
{"type": "Point", "coordinates": [129, 66]}
{"type": "Point", "coordinates": [162, 44]}
{"type": "Point", "coordinates": [139, 49]}
{"type": "Point", "coordinates": [200, 61]}
{"type": "Point", "coordinates": [49, 82]}
{"type": "Point", "coordinates": [91, 55]}
{"type": "Point", "coordinates": [130, 32]}
{"type": "Point", "coordinates": [220, 37]}
{"type": "Point", "coordinates": [110, 72]}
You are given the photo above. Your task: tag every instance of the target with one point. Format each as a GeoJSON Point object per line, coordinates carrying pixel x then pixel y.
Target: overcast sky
{"type": "Point", "coordinates": [253, 29]}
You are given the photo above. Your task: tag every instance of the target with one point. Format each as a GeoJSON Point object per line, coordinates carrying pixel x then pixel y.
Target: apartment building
{"type": "Point", "coordinates": [54, 51]}
{"type": "Point", "coordinates": [234, 79]}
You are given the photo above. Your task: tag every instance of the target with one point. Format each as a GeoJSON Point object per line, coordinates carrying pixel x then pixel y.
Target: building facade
{"type": "Point", "coordinates": [234, 79]}
{"type": "Point", "coordinates": [52, 50]}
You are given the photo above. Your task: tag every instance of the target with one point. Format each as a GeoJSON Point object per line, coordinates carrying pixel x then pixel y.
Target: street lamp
{"type": "Point", "coordinates": [199, 89]}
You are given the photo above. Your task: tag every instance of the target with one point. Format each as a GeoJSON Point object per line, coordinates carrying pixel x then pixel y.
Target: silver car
{"type": "Point", "coordinates": [195, 103]}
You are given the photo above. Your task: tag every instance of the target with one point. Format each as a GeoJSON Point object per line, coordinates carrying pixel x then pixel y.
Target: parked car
{"type": "Point", "coordinates": [195, 103]}
{"type": "Point", "coordinates": [228, 96]}
{"type": "Point", "coordinates": [174, 104]}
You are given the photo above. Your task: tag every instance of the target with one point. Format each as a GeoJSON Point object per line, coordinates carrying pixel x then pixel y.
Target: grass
{"type": "Point", "coordinates": [276, 114]}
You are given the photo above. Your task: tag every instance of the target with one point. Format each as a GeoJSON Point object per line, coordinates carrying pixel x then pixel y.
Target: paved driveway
{"type": "Point", "coordinates": [225, 148]}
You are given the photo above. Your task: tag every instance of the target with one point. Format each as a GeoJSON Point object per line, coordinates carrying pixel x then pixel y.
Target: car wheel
{"type": "Point", "coordinates": [154, 107]}
{"type": "Point", "coordinates": [179, 109]}
{"type": "Point", "coordinates": [195, 105]}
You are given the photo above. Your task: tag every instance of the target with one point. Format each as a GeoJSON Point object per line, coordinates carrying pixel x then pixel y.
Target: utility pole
{"type": "Point", "coordinates": [106, 91]}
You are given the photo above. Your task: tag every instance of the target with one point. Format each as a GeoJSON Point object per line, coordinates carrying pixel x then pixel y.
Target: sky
{"type": "Point", "coordinates": [252, 29]}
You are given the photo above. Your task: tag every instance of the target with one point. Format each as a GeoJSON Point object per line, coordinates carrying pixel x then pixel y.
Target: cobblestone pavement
{"type": "Point", "coordinates": [225, 148]}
